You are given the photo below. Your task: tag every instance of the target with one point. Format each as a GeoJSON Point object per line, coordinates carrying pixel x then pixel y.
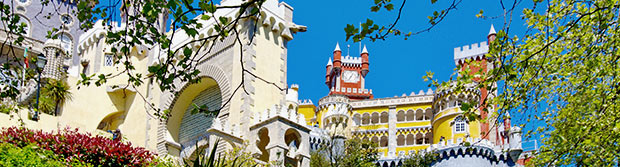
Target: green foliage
{"type": "Point", "coordinates": [419, 159]}
{"type": "Point", "coordinates": [361, 153]}
{"type": "Point", "coordinates": [318, 159]}
{"type": "Point", "coordinates": [30, 155]}
{"type": "Point", "coordinates": [6, 109]}
{"type": "Point", "coordinates": [53, 95]}
{"type": "Point", "coordinates": [57, 91]}
{"type": "Point", "coordinates": [355, 153]}
{"type": "Point", "coordinates": [46, 104]}
{"type": "Point", "coordinates": [164, 161]}
{"type": "Point", "coordinates": [237, 157]}
{"type": "Point", "coordinates": [560, 78]}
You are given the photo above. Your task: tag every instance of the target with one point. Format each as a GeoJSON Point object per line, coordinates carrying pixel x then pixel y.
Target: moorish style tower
{"type": "Point", "coordinates": [346, 75]}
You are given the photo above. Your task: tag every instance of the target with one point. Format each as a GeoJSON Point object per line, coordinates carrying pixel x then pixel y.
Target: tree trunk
{"type": "Point", "coordinates": [56, 108]}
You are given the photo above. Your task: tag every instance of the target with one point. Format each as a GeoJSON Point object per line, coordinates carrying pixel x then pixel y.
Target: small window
{"type": "Point", "coordinates": [459, 125]}
{"type": "Point", "coordinates": [23, 2]}
{"type": "Point", "coordinates": [21, 9]}
{"type": "Point", "coordinates": [108, 60]}
{"type": "Point", "coordinates": [66, 42]}
{"type": "Point", "coordinates": [66, 19]}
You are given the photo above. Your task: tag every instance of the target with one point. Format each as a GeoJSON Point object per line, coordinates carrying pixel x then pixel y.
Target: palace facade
{"type": "Point", "coordinates": [427, 121]}
{"type": "Point", "coordinates": [266, 117]}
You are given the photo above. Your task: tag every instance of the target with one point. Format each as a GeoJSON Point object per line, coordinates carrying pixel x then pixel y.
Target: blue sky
{"type": "Point", "coordinates": [396, 65]}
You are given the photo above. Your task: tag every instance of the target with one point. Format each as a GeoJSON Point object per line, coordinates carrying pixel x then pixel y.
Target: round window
{"type": "Point", "coordinates": [66, 19]}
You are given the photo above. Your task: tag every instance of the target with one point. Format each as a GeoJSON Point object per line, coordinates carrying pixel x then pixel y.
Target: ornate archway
{"type": "Point", "coordinates": [212, 91]}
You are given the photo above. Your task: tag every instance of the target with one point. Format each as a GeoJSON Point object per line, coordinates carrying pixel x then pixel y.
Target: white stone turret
{"type": "Point", "coordinates": [292, 94]}
{"type": "Point", "coordinates": [335, 111]}
{"type": "Point", "coordinates": [514, 139]}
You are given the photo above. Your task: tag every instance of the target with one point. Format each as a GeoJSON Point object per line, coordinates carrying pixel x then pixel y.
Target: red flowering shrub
{"type": "Point", "coordinates": [72, 145]}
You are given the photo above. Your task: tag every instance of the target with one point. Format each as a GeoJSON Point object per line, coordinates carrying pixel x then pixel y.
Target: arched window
{"type": "Point", "coordinates": [419, 139]}
{"type": "Point", "coordinates": [384, 141]}
{"type": "Point", "coordinates": [400, 140]}
{"type": "Point", "coordinates": [384, 117]}
{"type": "Point", "coordinates": [357, 119]}
{"type": "Point", "coordinates": [375, 118]}
{"type": "Point", "coordinates": [428, 138]}
{"type": "Point", "coordinates": [326, 123]}
{"type": "Point", "coordinates": [375, 139]}
{"type": "Point", "coordinates": [410, 115]}
{"type": "Point", "coordinates": [460, 124]}
{"type": "Point", "coordinates": [66, 42]}
{"type": "Point", "coordinates": [400, 116]}
{"type": "Point", "coordinates": [410, 139]}
{"type": "Point", "coordinates": [365, 119]}
{"type": "Point", "coordinates": [193, 125]}
{"type": "Point", "coordinates": [429, 113]}
{"type": "Point", "coordinates": [419, 115]}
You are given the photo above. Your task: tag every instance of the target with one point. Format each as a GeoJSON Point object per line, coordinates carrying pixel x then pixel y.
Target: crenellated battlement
{"type": "Point", "coordinates": [90, 37]}
{"type": "Point", "coordinates": [475, 51]}
{"type": "Point", "coordinates": [305, 102]}
{"type": "Point", "coordinates": [279, 111]}
{"type": "Point", "coordinates": [353, 91]}
{"type": "Point", "coordinates": [352, 61]}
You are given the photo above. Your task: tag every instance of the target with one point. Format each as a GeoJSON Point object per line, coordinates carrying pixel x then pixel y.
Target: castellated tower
{"type": "Point", "coordinates": [449, 124]}
{"type": "Point", "coordinates": [473, 58]}
{"type": "Point", "coordinates": [334, 111]}
{"type": "Point", "coordinates": [347, 75]}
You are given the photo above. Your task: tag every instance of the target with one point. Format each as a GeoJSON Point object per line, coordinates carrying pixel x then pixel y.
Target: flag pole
{"type": "Point", "coordinates": [360, 31]}
{"type": "Point", "coordinates": [25, 66]}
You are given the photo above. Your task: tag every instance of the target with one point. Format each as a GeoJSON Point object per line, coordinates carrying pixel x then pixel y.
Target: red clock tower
{"type": "Point", "coordinates": [346, 75]}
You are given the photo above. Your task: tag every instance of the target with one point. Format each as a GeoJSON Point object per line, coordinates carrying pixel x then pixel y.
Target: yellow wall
{"type": "Point", "coordinates": [442, 126]}
{"type": "Point", "coordinates": [308, 111]}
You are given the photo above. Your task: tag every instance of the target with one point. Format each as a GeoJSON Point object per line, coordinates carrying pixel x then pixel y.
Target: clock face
{"type": "Point", "coordinates": [350, 76]}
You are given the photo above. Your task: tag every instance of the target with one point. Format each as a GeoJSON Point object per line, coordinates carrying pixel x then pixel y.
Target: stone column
{"type": "Point", "coordinates": [392, 131]}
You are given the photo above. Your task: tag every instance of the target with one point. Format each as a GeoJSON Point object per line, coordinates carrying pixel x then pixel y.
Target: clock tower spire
{"type": "Point", "coordinates": [346, 75]}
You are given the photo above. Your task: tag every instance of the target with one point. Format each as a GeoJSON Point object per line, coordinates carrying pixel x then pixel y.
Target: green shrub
{"type": "Point", "coordinates": [5, 109]}
{"type": "Point", "coordinates": [74, 146]}
{"type": "Point", "coordinates": [31, 155]}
